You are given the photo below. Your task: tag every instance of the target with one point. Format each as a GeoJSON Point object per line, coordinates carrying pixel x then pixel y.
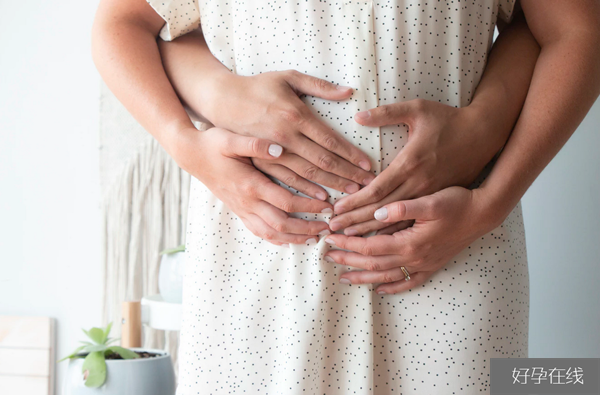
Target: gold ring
{"type": "Point", "coordinates": [406, 273]}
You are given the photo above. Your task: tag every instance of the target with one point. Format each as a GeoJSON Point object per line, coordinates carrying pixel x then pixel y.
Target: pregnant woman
{"type": "Point", "coordinates": [327, 122]}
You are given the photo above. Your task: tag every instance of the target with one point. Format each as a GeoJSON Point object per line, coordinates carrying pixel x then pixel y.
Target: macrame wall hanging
{"type": "Point", "coordinates": [144, 209]}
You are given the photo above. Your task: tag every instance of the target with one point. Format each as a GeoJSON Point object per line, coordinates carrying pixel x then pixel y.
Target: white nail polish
{"type": "Point", "coordinates": [329, 259]}
{"type": "Point", "coordinates": [345, 281]}
{"type": "Point", "coordinates": [327, 211]}
{"type": "Point", "coordinates": [381, 214]}
{"type": "Point", "coordinates": [324, 232]}
{"type": "Point", "coordinates": [362, 115]}
{"type": "Point", "coordinates": [321, 195]}
{"type": "Point", "coordinates": [275, 150]}
{"type": "Point", "coordinates": [381, 292]}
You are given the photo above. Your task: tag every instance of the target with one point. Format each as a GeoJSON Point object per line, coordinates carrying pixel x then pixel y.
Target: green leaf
{"type": "Point", "coordinates": [94, 370]}
{"type": "Point", "coordinates": [173, 250]}
{"type": "Point", "coordinates": [94, 348]}
{"type": "Point", "coordinates": [73, 354]}
{"type": "Point", "coordinates": [123, 352]}
{"type": "Point", "coordinates": [97, 335]}
{"type": "Point", "coordinates": [111, 340]}
{"type": "Point", "coordinates": [107, 332]}
{"type": "Point", "coordinates": [86, 343]}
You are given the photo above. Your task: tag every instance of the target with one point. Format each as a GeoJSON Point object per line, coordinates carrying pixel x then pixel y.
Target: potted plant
{"type": "Point", "coordinates": [170, 275]}
{"type": "Point", "coordinates": [99, 367]}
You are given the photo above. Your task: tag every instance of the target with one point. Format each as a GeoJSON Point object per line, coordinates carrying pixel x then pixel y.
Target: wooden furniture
{"type": "Point", "coordinates": [27, 356]}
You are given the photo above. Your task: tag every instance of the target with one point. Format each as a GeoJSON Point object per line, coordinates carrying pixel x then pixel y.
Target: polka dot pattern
{"type": "Point", "coordinates": [261, 319]}
{"type": "Point", "coordinates": [180, 17]}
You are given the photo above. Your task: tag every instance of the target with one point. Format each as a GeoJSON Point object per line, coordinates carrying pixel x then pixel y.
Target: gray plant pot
{"type": "Point", "coordinates": [144, 376]}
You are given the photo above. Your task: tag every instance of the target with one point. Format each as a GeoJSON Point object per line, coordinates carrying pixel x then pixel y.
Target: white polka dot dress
{"type": "Point", "coordinates": [262, 319]}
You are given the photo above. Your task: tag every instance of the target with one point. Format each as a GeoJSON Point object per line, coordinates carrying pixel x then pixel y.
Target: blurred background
{"type": "Point", "coordinates": [50, 217]}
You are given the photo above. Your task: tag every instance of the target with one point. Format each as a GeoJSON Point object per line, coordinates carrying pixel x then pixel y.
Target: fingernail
{"type": "Point", "coordinates": [363, 115]}
{"type": "Point", "coordinates": [311, 241]}
{"type": "Point", "coordinates": [351, 232]}
{"type": "Point", "coordinates": [367, 181]}
{"type": "Point", "coordinates": [345, 281]}
{"type": "Point", "coordinates": [381, 292]}
{"type": "Point", "coordinates": [321, 195]}
{"type": "Point", "coordinates": [338, 208]}
{"type": "Point", "coordinates": [352, 188]}
{"type": "Point", "coordinates": [329, 241]}
{"type": "Point", "coordinates": [342, 88]}
{"type": "Point", "coordinates": [329, 259]}
{"type": "Point", "coordinates": [365, 165]}
{"type": "Point", "coordinates": [327, 211]}
{"type": "Point", "coordinates": [275, 150]}
{"type": "Point", "coordinates": [285, 245]}
{"type": "Point", "coordinates": [324, 232]}
{"type": "Point", "coordinates": [334, 226]}
{"type": "Point", "coordinates": [381, 214]}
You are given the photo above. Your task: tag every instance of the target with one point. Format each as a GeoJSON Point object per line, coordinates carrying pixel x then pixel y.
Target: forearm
{"type": "Point", "coordinates": [501, 92]}
{"type": "Point", "coordinates": [126, 54]}
{"type": "Point", "coordinates": [192, 69]}
{"type": "Point", "coordinates": [565, 84]}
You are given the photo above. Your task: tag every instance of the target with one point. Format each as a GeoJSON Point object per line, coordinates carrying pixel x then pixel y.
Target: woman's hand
{"type": "Point", "coordinates": [446, 146]}
{"type": "Point", "coordinates": [445, 223]}
{"type": "Point", "coordinates": [268, 106]}
{"type": "Point", "coordinates": [220, 160]}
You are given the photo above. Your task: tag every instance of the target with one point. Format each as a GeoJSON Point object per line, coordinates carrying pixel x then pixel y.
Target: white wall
{"type": "Point", "coordinates": [49, 191]}
{"type": "Point", "coordinates": [562, 226]}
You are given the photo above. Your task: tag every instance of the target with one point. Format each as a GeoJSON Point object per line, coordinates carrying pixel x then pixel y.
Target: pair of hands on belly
{"type": "Point", "coordinates": [263, 127]}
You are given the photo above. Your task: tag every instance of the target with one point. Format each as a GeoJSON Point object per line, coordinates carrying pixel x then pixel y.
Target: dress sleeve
{"type": "Point", "coordinates": [181, 17]}
{"type": "Point", "coordinates": [505, 9]}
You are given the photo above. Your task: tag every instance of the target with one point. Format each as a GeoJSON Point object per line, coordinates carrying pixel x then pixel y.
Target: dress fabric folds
{"type": "Point", "coordinates": [262, 319]}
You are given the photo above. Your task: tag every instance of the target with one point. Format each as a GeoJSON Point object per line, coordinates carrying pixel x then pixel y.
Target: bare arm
{"type": "Point", "coordinates": [194, 71]}
{"type": "Point", "coordinates": [444, 149]}
{"type": "Point", "coordinates": [462, 140]}
{"type": "Point", "coordinates": [126, 55]}
{"type": "Point", "coordinates": [125, 52]}
{"type": "Point", "coordinates": [268, 105]}
{"type": "Point", "coordinates": [565, 84]}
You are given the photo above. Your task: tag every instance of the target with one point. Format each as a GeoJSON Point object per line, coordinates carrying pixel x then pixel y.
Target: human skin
{"type": "Point", "coordinates": [126, 55]}
{"type": "Point", "coordinates": [565, 84]}
{"type": "Point", "coordinates": [446, 145]}
{"type": "Point", "coordinates": [125, 52]}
